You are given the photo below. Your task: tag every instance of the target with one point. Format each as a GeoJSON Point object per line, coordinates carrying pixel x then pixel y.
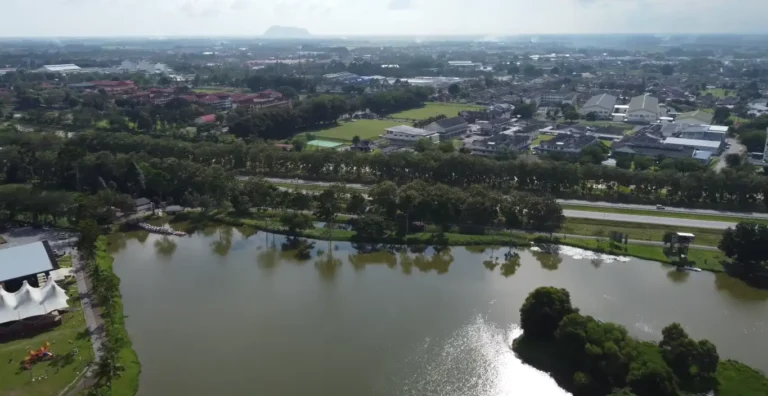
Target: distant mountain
{"type": "Point", "coordinates": [286, 32]}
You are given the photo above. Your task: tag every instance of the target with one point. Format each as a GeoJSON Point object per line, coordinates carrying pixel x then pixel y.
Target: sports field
{"type": "Point", "coordinates": [366, 129]}
{"type": "Point", "coordinates": [432, 109]}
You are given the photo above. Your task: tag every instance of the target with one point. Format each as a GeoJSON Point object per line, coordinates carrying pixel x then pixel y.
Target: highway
{"type": "Point", "coordinates": [647, 219]}
{"type": "Point", "coordinates": [671, 221]}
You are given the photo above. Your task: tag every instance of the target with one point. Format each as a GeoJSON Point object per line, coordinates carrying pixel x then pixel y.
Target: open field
{"type": "Point", "coordinates": [661, 213]}
{"type": "Point", "coordinates": [366, 129]}
{"type": "Point", "coordinates": [638, 231]}
{"type": "Point", "coordinates": [72, 351]}
{"type": "Point", "coordinates": [720, 92]}
{"type": "Point", "coordinates": [541, 138]}
{"type": "Point", "coordinates": [432, 109]}
{"type": "Point", "coordinates": [603, 123]}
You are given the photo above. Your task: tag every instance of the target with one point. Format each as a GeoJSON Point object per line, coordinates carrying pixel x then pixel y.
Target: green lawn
{"type": "Point", "coordinates": [366, 129]}
{"type": "Point", "coordinates": [720, 92]}
{"type": "Point", "coordinates": [65, 262]}
{"type": "Point", "coordinates": [638, 231]}
{"type": "Point", "coordinates": [432, 109]}
{"type": "Point", "coordinates": [541, 138]}
{"type": "Point", "coordinates": [71, 335]}
{"type": "Point", "coordinates": [662, 213]}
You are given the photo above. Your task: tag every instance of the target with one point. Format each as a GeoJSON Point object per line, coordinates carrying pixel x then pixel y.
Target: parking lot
{"type": "Point", "coordinates": [62, 241]}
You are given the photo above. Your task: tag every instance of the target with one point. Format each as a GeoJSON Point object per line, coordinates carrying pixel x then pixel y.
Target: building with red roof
{"type": "Point", "coordinates": [206, 119]}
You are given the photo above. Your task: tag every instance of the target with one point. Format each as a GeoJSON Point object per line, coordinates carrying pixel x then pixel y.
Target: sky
{"type": "Point", "coordinates": [60, 18]}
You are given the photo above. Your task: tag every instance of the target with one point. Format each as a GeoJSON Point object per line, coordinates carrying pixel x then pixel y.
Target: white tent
{"type": "Point", "coordinates": [31, 301]}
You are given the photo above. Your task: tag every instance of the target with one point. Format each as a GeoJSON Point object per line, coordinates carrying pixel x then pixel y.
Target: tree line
{"type": "Point", "coordinates": [590, 357]}
{"type": "Point", "coordinates": [81, 159]}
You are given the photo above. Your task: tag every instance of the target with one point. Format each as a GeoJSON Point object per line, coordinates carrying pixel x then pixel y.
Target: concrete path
{"type": "Point", "coordinates": [93, 321]}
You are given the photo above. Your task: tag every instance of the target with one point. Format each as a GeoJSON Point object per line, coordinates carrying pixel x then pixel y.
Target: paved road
{"type": "Point", "coordinates": [667, 209]}
{"type": "Point", "coordinates": [93, 321]}
{"type": "Point", "coordinates": [652, 208]}
{"type": "Point", "coordinates": [672, 221]}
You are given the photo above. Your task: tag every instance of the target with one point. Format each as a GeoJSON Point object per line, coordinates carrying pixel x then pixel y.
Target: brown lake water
{"type": "Point", "coordinates": [225, 312]}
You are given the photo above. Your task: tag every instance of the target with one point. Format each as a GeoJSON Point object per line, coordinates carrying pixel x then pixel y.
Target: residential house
{"type": "Point", "coordinates": [698, 117]}
{"type": "Point", "coordinates": [220, 101]}
{"type": "Point", "coordinates": [448, 128]}
{"type": "Point", "coordinates": [715, 133]}
{"type": "Point", "coordinates": [364, 146]}
{"type": "Point", "coordinates": [696, 144]}
{"type": "Point", "coordinates": [647, 145]}
{"type": "Point", "coordinates": [569, 144]}
{"type": "Point", "coordinates": [643, 108]}
{"type": "Point", "coordinates": [601, 105]}
{"type": "Point", "coordinates": [494, 126]}
{"type": "Point", "coordinates": [260, 100]}
{"type": "Point", "coordinates": [404, 135]}
{"type": "Point", "coordinates": [500, 144]}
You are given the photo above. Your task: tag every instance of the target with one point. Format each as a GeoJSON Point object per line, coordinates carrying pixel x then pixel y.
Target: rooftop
{"type": "Point", "coordinates": [409, 130]}
{"type": "Point", "coordinates": [25, 260]}
{"type": "Point", "coordinates": [692, 142]}
{"type": "Point", "coordinates": [605, 101]}
{"type": "Point", "coordinates": [644, 102]}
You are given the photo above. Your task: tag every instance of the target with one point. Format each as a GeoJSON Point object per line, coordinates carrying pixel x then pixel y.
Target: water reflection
{"type": "Point", "coordinates": [386, 257]}
{"type": "Point", "coordinates": [165, 246]}
{"type": "Point", "coordinates": [678, 276]}
{"type": "Point", "coordinates": [328, 266]}
{"type": "Point", "coordinates": [739, 290]}
{"type": "Point", "coordinates": [223, 243]}
{"type": "Point", "coordinates": [438, 262]}
{"type": "Point", "coordinates": [549, 260]}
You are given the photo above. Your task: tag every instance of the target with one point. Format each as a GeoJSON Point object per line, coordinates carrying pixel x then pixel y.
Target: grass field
{"type": "Point", "coordinates": [619, 125]}
{"type": "Point", "coordinates": [541, 138]}
{"type": "Point", "coordinates": [58, 373]}
{"type": "Point", "coordinates": [432, 109]}
{"type": "Point", "coordinates": [720, 93]}
{"type": "Point", "coordinates": [661, 213]}
{"type": "Point", "coordinates": [366, 129]}
{"type": "Point", "coordinates": [638, 231]}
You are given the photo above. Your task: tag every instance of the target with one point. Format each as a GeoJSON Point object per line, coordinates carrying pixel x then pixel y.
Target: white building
{"type": "Point", "coordinates": [66, 68]}
{"type": "Point", "coordinates": [403, 135]}
{"type": "Point", "coordinates": [643, 108]}
{"type": "Point", "coordinates": [144, 66]}
{"type": "Point", "coordinates": [697, 144]}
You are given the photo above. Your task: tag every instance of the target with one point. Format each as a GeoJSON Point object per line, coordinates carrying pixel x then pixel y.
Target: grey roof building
{"type": "Point", "coordinates": [643, 108]}
{"type": "Point", "coordinates": [448, 127]}
{"type": "Point", "coordinates": [602, 105]}
{"type": "Point", "coordinates": [21, 262]}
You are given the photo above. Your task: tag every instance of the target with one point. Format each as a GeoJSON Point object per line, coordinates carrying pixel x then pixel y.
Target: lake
{"type": "Point", "coordinates": [225, 311]}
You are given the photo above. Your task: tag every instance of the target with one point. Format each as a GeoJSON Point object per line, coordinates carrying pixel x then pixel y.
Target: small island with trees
{"type": "Point", "coordinates": [587, 356]}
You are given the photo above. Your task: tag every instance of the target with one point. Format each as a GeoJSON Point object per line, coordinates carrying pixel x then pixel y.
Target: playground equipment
{"type": "Point", "coordinates": [36, 356]}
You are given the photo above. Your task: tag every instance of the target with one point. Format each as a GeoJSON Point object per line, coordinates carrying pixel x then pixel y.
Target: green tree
{"type": "Point", "coordinates": [372, 228]}
{"type": "Point", "coordinates": [424, 145]}
{"type": "Point", "coordinates": [446, 147]}
{"type": "Point", "coordinates": [454, 89]}
{"type": "Point", "coordinates": [356, 204]}
{"type": "Point", "coordinates": [543, 310]}
{"type": "Point", "coordinates": [747, 247]}
{"type": "Point", "coordinates": [721, 114]}
{"type": "Point", "coordinates": [733, 160]}
{"type": "Point", "coordinates": [356, 140]}
{"type": "Point", "coordinates": [571, 115]}
{"type": "Point", "coordinates": [643, 162]}
{"type": "Point", "coordinates": [591, 116]}
{"type": "Point", "coordinates": [667, 69]}
{"type": "Point", "coordinates": [295, 222]}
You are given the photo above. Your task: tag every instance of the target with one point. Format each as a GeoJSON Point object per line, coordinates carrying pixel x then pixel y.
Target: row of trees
{"type": "Point", "coordinates": [597, 358]}
{"type": "Point", "coordinates": [747, 247]}
{"type": "Point", "coordinates": [81, 160]}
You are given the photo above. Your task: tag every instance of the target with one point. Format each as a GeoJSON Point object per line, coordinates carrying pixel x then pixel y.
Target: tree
{"type": "Point", "coordinates": [454, 89]}
{"type": "Point", "coordinates": [555, 70]}
{"type": "Point", "coordinates": [543, 310]}
{"type": "Point", "coordinates": [623, 162]}
{"type": "Point", "coordinates": [571, 115]}
{"type": "Point", "coordinates": [721, 114]}
{"type": "Point", "coordinates": [356, 204]}
{"type": "Point", "coordinates": [423, 145]}
{"type": "Point", "coordinates": [355, 140]}
{"type": "Point", "coordinates": [754, 140]}
{"type": "Point", "coordinates": [747, 247]}
{"type": "Point", "coordinates": [591, 116]}
{"type": "Point", "coordinates": [372, 228]}
{"type": "Point", "coordinates": [733, 160]}
{"type": "Point", "coordinates": [446, 146]}
{"type": "Point", "coordinates": [667, 69]}
{"type": "Point", "coordinates": [643, 162]}
{"type": "Point", "coordinates": [513, 70]}
{"type": "Point", "coordinates": [296, 221]}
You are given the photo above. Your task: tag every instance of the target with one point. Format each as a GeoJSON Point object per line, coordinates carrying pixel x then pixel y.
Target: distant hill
{"type": "Point", "coordinates": [286, 32]}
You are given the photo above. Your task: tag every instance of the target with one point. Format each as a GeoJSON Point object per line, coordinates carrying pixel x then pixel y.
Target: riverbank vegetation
{"type": "Point", "coordinates": [117, 370]}
{"type": "Point", "coordinates": [747, 247]}
{"type": "Point", "coordinates": [587, 356]}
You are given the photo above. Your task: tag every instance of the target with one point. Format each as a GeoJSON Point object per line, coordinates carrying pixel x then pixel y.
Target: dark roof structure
{"type": "Point", "coordinates": [446, 123]}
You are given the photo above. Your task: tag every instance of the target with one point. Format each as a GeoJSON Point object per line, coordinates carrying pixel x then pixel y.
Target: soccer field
{"type": "Point", "coordinates": [432, 109]}
{"type": "Point", "coordinates": [366, 129]}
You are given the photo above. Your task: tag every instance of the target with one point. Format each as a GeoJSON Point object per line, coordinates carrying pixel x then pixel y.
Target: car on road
{"type": "Point", "coordinates": [660, 207]}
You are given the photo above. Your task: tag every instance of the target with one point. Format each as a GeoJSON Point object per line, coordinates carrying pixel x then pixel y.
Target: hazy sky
{"type": "Point", "coordinates": [377, 17]}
